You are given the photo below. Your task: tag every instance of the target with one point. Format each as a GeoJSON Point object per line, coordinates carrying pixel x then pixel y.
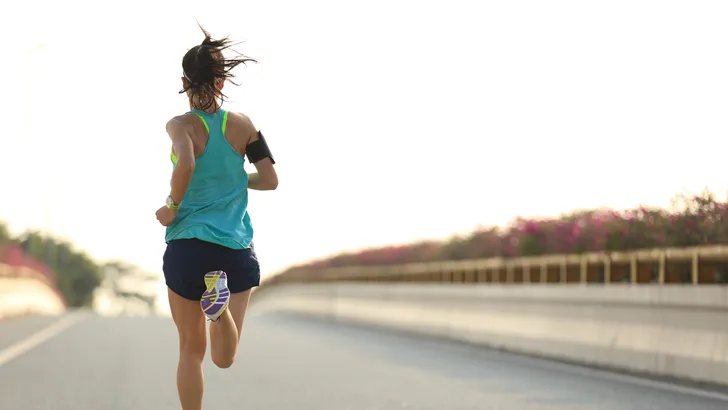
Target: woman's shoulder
{"type": "Point", "coordinates": [239, 117]}
{"type": "Point", "coordinates": [187, 118]}
{"type": "Point", "coordinates": [182, 120]}
{"type": "Point", "coordinates": [240, 121]}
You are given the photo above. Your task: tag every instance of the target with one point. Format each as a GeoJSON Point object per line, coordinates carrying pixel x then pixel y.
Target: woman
{"type": "Point", "coordinates": [209, 265]}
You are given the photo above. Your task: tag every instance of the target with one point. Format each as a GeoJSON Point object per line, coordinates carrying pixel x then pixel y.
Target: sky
{"type": "Point", "coordinates": [390, 121]}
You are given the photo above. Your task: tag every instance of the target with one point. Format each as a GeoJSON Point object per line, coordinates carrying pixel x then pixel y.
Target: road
{"type": "Point", "coordinates": [294, 363]}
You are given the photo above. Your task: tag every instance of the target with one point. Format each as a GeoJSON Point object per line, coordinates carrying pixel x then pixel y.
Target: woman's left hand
{"type": "Point", "coordinates": [166, 216]}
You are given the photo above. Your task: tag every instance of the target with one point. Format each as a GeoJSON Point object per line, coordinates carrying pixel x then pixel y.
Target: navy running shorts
{"type": "Point", "coordinates": [186, 261]}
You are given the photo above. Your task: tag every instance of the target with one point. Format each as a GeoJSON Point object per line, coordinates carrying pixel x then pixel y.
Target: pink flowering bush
{"type": "Point", "coordinates": [693, 220]}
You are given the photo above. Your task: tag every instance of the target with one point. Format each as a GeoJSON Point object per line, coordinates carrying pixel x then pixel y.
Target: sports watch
{"type": "Point", "coordinates": [171, 205]}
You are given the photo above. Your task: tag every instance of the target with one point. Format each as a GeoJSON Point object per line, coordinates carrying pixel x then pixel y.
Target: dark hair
{"type": "Point", "coordinates": [204, 65]}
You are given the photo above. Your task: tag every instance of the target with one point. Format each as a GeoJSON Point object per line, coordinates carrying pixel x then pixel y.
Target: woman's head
{"type": "Point", "coordinates": [205, 71]}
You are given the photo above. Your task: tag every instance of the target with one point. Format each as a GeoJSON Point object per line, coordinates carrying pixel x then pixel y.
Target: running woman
{"type": "Point", "coordinates": [209, 265]}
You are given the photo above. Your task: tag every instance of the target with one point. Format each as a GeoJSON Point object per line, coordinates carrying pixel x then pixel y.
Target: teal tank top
{"type": "Point", "coordinates": [215, 206]}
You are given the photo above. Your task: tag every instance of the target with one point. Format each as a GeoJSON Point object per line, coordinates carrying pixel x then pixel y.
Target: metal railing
{"type": "Point", "coordinates": [698, 266]}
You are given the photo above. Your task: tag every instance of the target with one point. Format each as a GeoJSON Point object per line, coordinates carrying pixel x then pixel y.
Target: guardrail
{"type": "Point", "coordinates": [696, 265]}
{"type": "Point", "coordinates": [24, 290]}
{"type": "Point", "coordinates": [658, 317]}
{"type": "Point", "coordinates": [9, 271]}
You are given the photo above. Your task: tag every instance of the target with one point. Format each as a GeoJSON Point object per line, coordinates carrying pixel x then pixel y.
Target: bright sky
{"type": "Point", "coordinates": [390, 120]}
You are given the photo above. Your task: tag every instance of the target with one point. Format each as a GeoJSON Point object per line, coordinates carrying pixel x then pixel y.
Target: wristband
{"type": "Point", "coordinates": [171, 205]}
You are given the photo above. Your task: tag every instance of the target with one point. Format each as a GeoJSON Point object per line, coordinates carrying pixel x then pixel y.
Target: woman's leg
{"type": "Point", "coordinates": [243, 273]}
{"type": "Point", "coordinates": [225, 333]}
{"type": "Point", "coordinates": [238, 306]}
{"type": "Point", "coordinates": [190, 323]}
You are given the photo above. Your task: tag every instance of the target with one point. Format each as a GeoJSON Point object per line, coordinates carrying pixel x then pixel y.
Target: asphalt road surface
{"type": "Point", "coordinates": [88, 362]}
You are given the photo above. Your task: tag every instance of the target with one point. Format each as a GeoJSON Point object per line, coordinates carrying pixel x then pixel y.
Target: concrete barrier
{"type": "Point", "coordinates": [23, 291]}
{"type": "Point", "coordinates": [673, 331]}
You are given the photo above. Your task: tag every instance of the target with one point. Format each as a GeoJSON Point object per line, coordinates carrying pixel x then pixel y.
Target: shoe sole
{"type": "Point", "coordinates": [214, 301]}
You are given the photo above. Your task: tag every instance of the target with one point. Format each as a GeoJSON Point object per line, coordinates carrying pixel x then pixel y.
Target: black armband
{"type": "Point", "coordinates": [258, 150]}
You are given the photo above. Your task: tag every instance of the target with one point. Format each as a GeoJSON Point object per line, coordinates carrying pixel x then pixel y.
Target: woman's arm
{"type": "Point", "coordinates": [180, 133]}
{"type": "Point", "coordinates": [266, 179]}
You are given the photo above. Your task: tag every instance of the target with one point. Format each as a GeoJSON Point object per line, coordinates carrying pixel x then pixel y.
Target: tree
{"type": "Point", "coordinates": [77, 276]}
{"type": "Point", "coordinates": [5, 233]}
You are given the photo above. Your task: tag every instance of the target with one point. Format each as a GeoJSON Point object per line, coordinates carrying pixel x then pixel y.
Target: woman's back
{"type": "Point", "coordinates": [216, 201]}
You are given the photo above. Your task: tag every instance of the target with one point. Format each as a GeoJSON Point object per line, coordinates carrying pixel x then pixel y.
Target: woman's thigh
{"type": "Point", "coordinates": [190, 322]}
{"type": "Point", "coordinates": [238, 306]}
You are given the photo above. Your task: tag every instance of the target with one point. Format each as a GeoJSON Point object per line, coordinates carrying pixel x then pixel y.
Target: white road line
{"type": "Point", "coordinates": [18, 349]}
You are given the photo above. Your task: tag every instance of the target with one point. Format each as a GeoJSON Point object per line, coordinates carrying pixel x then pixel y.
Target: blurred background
{"type": "Point", "coordinates": [404, 132]}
